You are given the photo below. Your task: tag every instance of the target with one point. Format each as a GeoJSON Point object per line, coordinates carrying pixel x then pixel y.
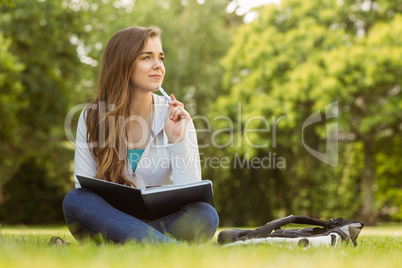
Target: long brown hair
{"type": "Point", "coordinates": [105, 133]}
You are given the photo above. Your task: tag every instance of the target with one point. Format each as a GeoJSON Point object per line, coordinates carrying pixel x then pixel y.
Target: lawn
{"type": "Point", "coordinates": [28, 247]}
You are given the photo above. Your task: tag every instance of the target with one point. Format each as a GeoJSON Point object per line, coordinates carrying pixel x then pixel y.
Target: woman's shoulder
{"type": "Point", "coordinates": [87, 108]}
{"type": "Point", "coordinates": [84, 114]}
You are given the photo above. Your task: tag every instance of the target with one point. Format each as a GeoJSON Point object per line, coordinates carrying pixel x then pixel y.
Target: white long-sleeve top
{"type": "Point", "coordinates": [160, 164]}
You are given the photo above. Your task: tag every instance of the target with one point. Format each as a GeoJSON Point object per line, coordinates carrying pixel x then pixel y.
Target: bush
{"type": "Point", "coordinates": [31, 196]}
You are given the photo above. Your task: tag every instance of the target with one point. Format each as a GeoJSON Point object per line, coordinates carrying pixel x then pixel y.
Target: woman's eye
{"type": "Point", "coordinates": [162, 58]}
{"type": "Point", "coordinates": [146, 58]}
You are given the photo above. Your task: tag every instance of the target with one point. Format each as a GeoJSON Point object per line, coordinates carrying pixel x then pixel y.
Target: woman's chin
{"type": "Point", "coordinates": [154, 89]}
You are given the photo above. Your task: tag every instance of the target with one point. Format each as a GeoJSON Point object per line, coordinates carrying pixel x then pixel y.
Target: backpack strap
{"type": "Point", "coordinates": [265, 230]}
{"type": "Point", "coordinates": [232, 235]}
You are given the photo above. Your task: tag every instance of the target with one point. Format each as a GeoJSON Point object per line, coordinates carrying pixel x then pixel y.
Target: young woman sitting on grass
{"type": "Point", "coordinates": [129, 135]}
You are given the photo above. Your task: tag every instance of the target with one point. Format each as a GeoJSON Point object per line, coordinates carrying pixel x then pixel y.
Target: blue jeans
{"type": "Point", "coordinates": [90, 216]}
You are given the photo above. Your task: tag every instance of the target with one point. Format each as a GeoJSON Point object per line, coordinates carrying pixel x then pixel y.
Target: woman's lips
{"type": "Point", "coordinates": [156, 76]}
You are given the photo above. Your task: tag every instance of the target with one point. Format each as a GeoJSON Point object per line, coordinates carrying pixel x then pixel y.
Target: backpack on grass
{"type": "Point", "coordinates": [330, 233]}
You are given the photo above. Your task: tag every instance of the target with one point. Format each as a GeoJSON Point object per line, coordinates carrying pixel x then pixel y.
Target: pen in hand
{"type": "Point", "coordinates": [165, 94]}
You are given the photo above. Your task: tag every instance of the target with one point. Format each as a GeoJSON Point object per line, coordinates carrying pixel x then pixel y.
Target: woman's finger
{"type": "Point", "coordinates": [175, 102]}
{"type": "Point", "coordinates": [177, 113]}
{"type": "Point", "coordinates": [174, 111]}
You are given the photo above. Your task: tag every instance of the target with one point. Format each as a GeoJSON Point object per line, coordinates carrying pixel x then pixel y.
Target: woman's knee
{"type": "Point", "coordinates": [78, 200]}
{"type": "Point", "coordinates": [72, 199]}
{"type": "Point", "coordinates": [207, 212]}
{"type": "Point", "coordinates": [205, 218]}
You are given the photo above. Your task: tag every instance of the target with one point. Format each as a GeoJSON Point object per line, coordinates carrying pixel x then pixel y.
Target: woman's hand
{"type": "Point", "coordinates": [176, 121]}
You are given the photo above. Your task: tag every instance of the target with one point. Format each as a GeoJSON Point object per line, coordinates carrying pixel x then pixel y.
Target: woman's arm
{"type": "Point", "coordinates": [183, 145]}
{"type": "Point", "coordinates": [185, 158]}
{"type": "Point", "coordinates": [84, 162]}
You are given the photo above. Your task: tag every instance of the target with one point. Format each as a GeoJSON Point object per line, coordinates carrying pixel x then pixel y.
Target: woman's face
{"type": "Point", "coordinates": [149, 71]}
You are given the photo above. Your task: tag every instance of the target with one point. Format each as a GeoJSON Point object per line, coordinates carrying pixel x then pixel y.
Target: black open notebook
{"type": "Point", "coordinates": [153, 202]}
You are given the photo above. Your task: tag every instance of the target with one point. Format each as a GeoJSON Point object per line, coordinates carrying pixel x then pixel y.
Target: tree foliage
{"type": "Point", "coordinates": [41, 66]}
{"type": "Point", "coordinates": [31, 197]}
{"type": "Point", "coordinates": [294, 60]}
{"type": "Point", "coordinates": [10, 95]}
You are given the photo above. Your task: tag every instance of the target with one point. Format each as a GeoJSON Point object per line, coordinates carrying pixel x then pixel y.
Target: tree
{"type": "Point", "coordinates": [294, 60]}
{"type": "Point", "coordinates": [366, 77]}
{"type": "Point", "coordinates": [10, 92]}
{"type": "Point", "coordinates": [41, 65]}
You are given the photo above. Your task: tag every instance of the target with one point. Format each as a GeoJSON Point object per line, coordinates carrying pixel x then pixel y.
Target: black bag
{"type": "Point", "coordinates": [331, 233]}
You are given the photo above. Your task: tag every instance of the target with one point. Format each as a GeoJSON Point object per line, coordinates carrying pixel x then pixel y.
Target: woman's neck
{"type": "Point", "coordinates": [138, 134]}
{"type": "Point", "coordinates": [141, 104]}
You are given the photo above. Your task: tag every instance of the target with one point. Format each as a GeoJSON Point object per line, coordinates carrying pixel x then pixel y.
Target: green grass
{"type": "Point", "coordinates": [28, 247]}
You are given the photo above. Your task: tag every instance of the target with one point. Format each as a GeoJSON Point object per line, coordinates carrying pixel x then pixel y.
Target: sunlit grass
{"type": "Point", "coordinates": [28, 247]}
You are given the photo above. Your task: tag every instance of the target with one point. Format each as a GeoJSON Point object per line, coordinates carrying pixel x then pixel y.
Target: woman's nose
{"type": "Point", "coordinates": [158, 64]}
